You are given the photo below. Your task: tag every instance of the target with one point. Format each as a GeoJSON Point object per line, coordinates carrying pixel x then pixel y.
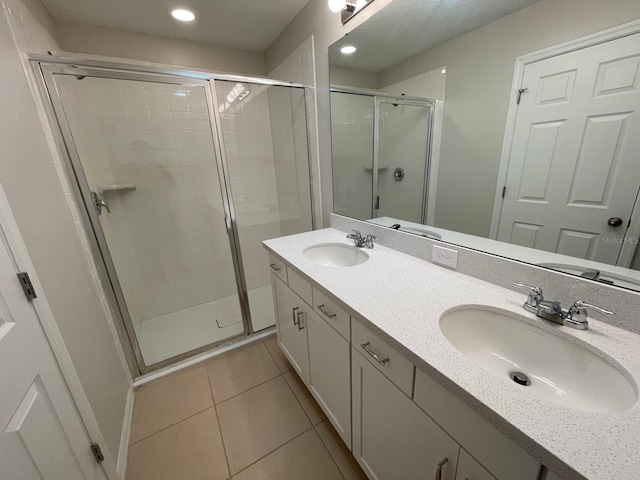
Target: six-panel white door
{"type": "Point", "coordinates": [41, 433]}
{"type": "Point", "coordinates": [574, 160]}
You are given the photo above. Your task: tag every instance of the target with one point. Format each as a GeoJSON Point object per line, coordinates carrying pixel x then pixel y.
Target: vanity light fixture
{"type": "Point", "coordinates": [347, 8]}
{"type": "Point", "coordinates": [348, 49]}
{"type": "Point", "coordinates": [182, 14]}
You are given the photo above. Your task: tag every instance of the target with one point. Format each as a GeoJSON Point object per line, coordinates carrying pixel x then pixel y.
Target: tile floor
{"type": "Point", "coordinates": [243, 415]}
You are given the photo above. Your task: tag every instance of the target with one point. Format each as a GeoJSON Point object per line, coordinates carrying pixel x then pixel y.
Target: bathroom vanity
{"type": "Point", "coordinates": [364, 331]}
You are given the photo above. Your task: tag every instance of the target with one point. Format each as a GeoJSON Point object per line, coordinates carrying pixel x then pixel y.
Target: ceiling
{"type": "Point", "coordinates": [414, 26]}
{"type": "Point", "coordinates": [247, 24]}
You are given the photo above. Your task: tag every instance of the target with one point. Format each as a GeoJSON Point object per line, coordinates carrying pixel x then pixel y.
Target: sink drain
{"type": "Point", "coordinates": [520, 378]}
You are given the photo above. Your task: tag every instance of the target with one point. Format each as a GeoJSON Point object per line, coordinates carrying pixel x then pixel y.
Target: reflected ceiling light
{"type": "Point", "coordinates": [348, 49]}
{"type": "Point", "coordinates": [183, 14]}
{"type": "Point", "coordinates": [337, 5]}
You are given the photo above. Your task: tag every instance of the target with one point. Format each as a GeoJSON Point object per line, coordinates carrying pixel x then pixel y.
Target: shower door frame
{"type": "Point", "coordinates": [44, 68]}
{"type": "Point", "coordinates": [379, 98]}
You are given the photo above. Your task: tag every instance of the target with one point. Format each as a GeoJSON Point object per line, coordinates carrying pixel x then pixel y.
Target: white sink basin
{"type": "Point", "coordinates": [335, 255]}
{"type": "Point", "coordinates": [557, 369]}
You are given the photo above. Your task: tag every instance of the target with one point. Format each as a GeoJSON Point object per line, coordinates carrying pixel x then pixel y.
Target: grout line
{"type": "Point", "coordinates": [247, 390]}
{"type": "Point", "coordinates": [278, 448]}
{"type": "Point", "coordinates": [224, 447]}
{"type": "Point", "coordinates": [297, 399]}
{"type": "Point", "coordinates": [327, 448]}
{"type": "Point", "coordinates": [172, 425]}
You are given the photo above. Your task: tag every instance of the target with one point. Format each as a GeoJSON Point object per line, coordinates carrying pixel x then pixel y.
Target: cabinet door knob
{"type": "Point", "coordinates": [441, 464]}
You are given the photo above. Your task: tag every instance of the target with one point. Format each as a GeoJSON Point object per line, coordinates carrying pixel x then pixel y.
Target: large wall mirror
{"type": "Point", "coordinates": [507, 126]}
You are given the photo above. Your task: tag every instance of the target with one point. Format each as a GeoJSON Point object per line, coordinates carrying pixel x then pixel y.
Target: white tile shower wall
{"type": "Point", "coordinates": [299, 67]}
{"type": "Point", "coordinates": [247, 134]}
{"type": "Point", "coordinates": [167, 236]}
{"type": "Point", "coordinates": [289, 122]}
{"type": "Point", "coordinates": [352, 152]}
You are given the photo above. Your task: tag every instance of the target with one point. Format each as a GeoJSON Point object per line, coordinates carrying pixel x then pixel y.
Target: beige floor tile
{"type": "Point", "coordinates": [191, 449]}
{"type": "Point", "coordinates": [309, 404]}
{"type": "Point", "coordinates": [302, 458]}
{"type": "Point", "coordinates": [169, 401]}
{"type": "Point", "coordinates": [239, 370]}
{"type": "Point", "coordinates": [259, 421]}
{"type": "Point", "coordinates": [276, 353]}
{"type": "Point", "coordinates": [339, 452]}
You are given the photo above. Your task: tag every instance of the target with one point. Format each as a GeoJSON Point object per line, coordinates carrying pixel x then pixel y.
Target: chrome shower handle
{"type": "Point", "coordinates": [99, 203]}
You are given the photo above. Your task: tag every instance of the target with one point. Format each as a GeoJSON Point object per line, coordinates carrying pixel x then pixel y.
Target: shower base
{"type": "Point", "coordinates": [178, 332]}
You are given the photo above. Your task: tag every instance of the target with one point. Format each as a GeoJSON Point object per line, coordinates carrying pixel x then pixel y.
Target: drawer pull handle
{"type": "Point", "coordinates": [367, 348]}
{"type": "Point", "coordinates": [325, 312]}
{"type": "Point", "coordinates": [300, 326]}
{"type": "Point", "coordinates": [275, 267]}
{"type": "Point", "coordinates": [441, 464]}
{"type": "Point", "coordinates": [295, 320]}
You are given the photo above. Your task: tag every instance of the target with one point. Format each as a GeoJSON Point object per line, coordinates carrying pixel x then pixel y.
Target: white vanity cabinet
{"type": "Point", "coordinates": [317, 351]}
{"type": "Point", "coordinates": [392, 438]}
{"type": "Point", "coordinates": [469, 469]}
{"type": "Point", "coordinates": [329, 374]}
{"type": "Point", "coordinates": [292, 314]}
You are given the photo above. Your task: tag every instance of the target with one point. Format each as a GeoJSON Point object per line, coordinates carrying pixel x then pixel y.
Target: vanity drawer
{"type": "Point", "coordinates": [300, 285]}
{"type": "Point", "coordinates": [391, 364]}
{"type": "Point", "coordinates": [278, 268]}
{"type": "Point", "coordinates": [498, 454]}
{"type": "Point", "coordinates": [331, 313]}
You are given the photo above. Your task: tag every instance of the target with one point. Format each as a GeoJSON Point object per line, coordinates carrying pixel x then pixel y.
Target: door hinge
{"type": "Point", "coordinates": [27, 286]}
{"type": "Point", "coordinates": [97, 452]}
{"type": "Point", "coordinates": [520, 92]}
{"type": "Point", "coordinates": [504, 191]}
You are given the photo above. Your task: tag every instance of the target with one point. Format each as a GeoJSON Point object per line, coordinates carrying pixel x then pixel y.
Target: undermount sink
{"type": "Point", "coordinates": [335, 255]}
{"type": "Point", "coordinates": [548, 366]}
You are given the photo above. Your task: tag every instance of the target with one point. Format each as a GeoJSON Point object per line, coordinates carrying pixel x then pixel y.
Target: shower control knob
{"type": "Point", "coordinates": [614, 222]}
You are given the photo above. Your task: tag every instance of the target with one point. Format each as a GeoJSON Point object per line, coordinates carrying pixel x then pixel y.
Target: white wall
{"type": "Point", "coordinates": [107, 42]}
{"type": "Point", "coordinates": [40, 198]}
{"type": "Point", "coordinates": [479, 73]}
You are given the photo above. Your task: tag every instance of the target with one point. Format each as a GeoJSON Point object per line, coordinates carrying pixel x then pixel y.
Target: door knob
{"type": "Point", "coordinates": [99, 203]}
{"type": "Point", "coordinates": [614, 222]}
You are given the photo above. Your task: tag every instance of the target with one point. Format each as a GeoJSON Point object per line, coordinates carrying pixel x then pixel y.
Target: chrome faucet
{"type": "Point", "coordinates": [574, 316]}
{"type": "Point", "coordinates": [360, 241]}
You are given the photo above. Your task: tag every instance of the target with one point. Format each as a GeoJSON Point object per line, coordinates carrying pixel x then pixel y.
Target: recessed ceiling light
{"type": "Point", "coordinates": [183, 14]}
{"type": "Point", "coordinates": [337, 5]}
{"type": "Point", "coordinates": [348, 49]}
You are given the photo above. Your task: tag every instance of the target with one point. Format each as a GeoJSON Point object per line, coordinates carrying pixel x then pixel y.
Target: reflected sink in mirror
{"type": "Point", "coordinates": [422, 232]}
{"type": "Point", "coordinates": [603, 275]}
{"type": "Point", "coordinates": [546, 365]}
{"type": "Point", "coordinates": [335, 255]}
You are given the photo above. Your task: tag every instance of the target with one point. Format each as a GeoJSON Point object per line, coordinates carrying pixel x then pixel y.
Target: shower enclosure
{"type": "Point", "coordinates": [181, 177]}
{"type": "Point", "coordinates": [381, 148]}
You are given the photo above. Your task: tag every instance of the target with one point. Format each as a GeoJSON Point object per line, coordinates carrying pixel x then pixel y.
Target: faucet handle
{"type": "Point", "coordinates": [580, 305]}
{"type": "Point", "coordinates": [533, 299]}
{"type": "Point", "coordinates": [534, 290]}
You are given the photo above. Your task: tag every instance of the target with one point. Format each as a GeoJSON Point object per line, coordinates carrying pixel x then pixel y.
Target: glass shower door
{"type": "Point", "coordinates": [264, 134]}
{"type": "Point", "coordinates": [143, 152]}
{"type": "Point", "coordinates": [402, 158]}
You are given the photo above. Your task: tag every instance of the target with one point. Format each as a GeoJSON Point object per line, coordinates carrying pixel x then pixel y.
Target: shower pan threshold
{"type": "Point", "coordinates": [178, 332]}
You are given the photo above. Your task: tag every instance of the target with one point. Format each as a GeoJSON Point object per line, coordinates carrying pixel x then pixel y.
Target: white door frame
{"type": "Point", "coordinates": [615, 33]}
{"type": "Point", "coordinates": [11, 234]}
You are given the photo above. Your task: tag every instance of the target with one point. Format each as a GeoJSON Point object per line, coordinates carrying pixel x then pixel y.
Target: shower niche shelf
{"type": "Point", "coordinates": [114, 188]}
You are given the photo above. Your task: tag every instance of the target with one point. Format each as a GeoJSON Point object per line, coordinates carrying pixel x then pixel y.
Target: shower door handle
{"type": "Point", "coordinates": [99, 203]}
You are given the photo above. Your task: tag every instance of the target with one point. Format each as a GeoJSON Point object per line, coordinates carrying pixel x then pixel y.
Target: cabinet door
{"type": "Point", "coordinates": [392, 438]}
{"type": "Point", "coordinates": [330, 375]}
{"type": "Point", "coordinates": [469, 469]}
{"type": "Point", "coordinates": [292, 332]}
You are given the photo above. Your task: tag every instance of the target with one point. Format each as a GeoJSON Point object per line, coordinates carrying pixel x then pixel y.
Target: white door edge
{"type": "Point", "coordinates": [18, 250]}
{"type": "Point", "coordinates": [521, 62]}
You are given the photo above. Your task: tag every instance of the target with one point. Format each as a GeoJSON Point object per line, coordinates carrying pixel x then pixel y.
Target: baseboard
{"type": "Point", "coordinates": [123, 453]}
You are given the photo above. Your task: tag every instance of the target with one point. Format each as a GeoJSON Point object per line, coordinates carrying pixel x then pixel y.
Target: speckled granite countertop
{"type": "Point", "coordinates": [402, 298]}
